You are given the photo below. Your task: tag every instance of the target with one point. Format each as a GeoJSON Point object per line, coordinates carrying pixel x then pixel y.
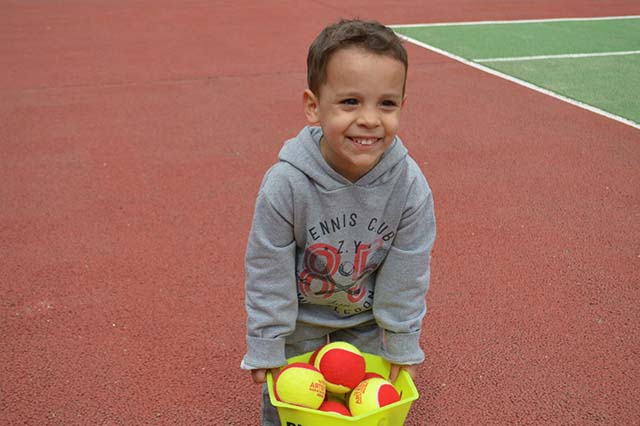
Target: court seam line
{"type": "Point", "coordinates": [560, 56]}
{"type": "Point", "coordinates": [515, 21]}
{"type": "Point", "coordinates": [141, 83]}
{"type": "Point", "coordinates": [524, 83]}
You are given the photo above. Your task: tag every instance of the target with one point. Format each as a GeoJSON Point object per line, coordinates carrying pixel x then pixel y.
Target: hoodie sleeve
{"type": "Point", "coordinates": [270, 286]}
{"type": "Point", "coordinates": [403, 279]}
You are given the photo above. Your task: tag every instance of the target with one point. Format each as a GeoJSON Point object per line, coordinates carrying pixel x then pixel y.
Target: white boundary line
{"type": "Point", "coordinates": [563, 56]}
{"type": "Point", "coordinates": [523, 83]}
{"type": "Point", "coordinates": [517, 21]}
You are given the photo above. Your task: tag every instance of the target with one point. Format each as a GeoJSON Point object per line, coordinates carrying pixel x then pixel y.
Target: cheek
{"type": "Point", "coordinates": [392, 124]}
{"type": "Point", "coordinates": [338, 123]}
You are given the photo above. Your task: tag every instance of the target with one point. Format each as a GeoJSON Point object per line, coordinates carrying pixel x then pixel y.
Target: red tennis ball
{"type": "Point", "coordinates": [371, 395]}
{"type": "Point", "coordinates": [342, 366]}
{"type": "Point", "coordinates": [334, 407]}
{"type": "Point", "coordinates": [300, 384]}
{"type": "Point", "coordinates": [372, 375]}
{"type": "Point", "coordinates": [312, 360]}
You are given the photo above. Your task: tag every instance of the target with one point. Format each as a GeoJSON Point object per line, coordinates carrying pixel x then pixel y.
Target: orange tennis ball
{"type": "Point", "coordinates": [371, 395]}
{"type": "Point", "coordinates": [342, 366]}
{"type": "Point", "coordinates": [334, 407]}
{"type": "Point", "coordinates": [300, 384]}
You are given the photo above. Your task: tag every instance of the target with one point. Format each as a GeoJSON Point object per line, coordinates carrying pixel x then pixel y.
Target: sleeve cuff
{"type": "Point", "coordinates": [263, 353]}
{"type": "Point", "coordinates": [402, 348]}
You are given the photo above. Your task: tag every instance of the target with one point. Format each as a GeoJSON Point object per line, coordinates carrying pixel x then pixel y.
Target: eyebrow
{"type": "Point", "coordinates": [358, 94]}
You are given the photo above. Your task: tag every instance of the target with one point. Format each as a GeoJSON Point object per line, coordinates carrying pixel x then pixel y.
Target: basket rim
{"type": "Point", "coordinates": [402, 373]}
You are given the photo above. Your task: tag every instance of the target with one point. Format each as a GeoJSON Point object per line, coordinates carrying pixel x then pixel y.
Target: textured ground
{"type": "Point", "coordinates": [134, 135]}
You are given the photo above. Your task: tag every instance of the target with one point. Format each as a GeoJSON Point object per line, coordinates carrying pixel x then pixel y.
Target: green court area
{"type": "Point", "coordinates": [590, 61]}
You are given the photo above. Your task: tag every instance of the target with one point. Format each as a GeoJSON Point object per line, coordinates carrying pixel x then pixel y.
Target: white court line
{"type": "Point", "coordinates": [563, 56]}
{"type": "Point", "coordinates": [517, 21]}
{"type": "Point", "coordinates": [523, 83]}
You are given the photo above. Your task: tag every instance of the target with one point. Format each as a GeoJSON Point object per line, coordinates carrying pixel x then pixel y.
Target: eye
{"type": "Point", "coordinates": [349, 101]}
{"type": "Point", "coordinates": [389, 103]}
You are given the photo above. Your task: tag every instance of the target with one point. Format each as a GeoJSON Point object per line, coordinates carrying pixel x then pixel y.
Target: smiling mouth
{"type": "Point", "coordinates": [364, 141]}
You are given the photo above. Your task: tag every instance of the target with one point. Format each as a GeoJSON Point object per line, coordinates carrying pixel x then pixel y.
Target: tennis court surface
{"type": "Point", "coordinates": [134, 136]}
{"type": "Point", "coordinates": [594, 62]}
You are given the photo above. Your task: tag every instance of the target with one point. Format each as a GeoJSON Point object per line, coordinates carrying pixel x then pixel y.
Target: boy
{"type": "Point", "coordinates": [343, 228]}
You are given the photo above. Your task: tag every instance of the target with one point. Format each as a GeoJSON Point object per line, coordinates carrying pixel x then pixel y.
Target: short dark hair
{"type": "Point", "coordinates": [369, 35]}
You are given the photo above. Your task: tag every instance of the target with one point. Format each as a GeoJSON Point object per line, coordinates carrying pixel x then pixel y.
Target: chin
{"type": "Point", "coordinates": [365, 165]}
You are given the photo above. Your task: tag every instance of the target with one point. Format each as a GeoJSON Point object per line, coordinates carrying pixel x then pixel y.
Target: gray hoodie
{"type": "Point", "coordinates": [328, 252]}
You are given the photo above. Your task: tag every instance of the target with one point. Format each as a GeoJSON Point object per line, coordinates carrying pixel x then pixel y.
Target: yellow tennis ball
{"type": "Point", "coordinates": [372, 394]}
{"type": "Point", "coordinates": [342, 366]}
{"type": "Point", "coordinates": [312, 358]}
{"type": "Point", "coordinates": [300, 384]}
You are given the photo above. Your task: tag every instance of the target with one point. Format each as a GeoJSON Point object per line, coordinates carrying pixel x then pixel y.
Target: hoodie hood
{"type": "Point", "coordinates": [324, 253]}
{"type": "Point", "coordinates": [303, 153]}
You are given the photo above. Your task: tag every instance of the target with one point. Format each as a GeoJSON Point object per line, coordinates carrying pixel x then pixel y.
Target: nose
{"type": "Point", "coordinates": [368, 117]}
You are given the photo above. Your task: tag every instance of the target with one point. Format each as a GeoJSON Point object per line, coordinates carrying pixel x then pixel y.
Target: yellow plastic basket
{"type": "Point", "coordinates": [390, 415]}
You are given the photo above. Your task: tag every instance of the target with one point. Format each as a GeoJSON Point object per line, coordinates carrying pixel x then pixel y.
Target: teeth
{"type": "Point", "coordinates": [364, 141]}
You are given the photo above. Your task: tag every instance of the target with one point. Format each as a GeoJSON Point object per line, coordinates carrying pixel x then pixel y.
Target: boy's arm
{"type": "Point", "coordinates": [270, 287]}
{"type": "Point", "coordinates": [403, 280]}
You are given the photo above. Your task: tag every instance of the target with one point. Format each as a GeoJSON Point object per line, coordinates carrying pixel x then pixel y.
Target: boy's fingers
{"type": "Point", "coordinates": [395, 370]}
{"type": "Point", "coordinates": [412, 370]}
{"type": "Point", "coordinates": [393, 373]}
{"type": "Point", "coordinates": [259, 376]}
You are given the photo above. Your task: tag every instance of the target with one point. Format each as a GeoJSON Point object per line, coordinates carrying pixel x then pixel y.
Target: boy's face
{"type": "Point", "coordinates": [358, 108]}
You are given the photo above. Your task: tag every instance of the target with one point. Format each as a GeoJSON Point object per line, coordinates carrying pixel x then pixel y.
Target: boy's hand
{"type": "Point", "coordinates": [395, 370]}
{"type": "Point", "coordinates": [259, 375]}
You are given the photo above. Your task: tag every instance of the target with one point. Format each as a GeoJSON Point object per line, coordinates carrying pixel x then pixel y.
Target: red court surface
{"type": "Point", "coordinates": [134, 135]}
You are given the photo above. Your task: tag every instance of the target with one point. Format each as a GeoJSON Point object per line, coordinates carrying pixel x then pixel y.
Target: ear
{"type": "Point", "coordinates": [404, 100]}
{"type": "Point", "coordinates": [310, 104]}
